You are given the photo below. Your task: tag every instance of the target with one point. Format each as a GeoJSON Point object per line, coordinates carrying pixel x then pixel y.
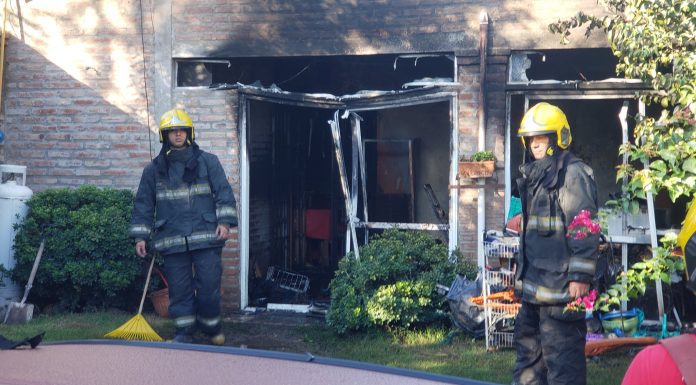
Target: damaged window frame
{"type": "Point", "coordinates": [439, 73]}
{"type": "Point", "coordinates": [179, 62]}
{"type": "Point", "coordinates": [347, 107]}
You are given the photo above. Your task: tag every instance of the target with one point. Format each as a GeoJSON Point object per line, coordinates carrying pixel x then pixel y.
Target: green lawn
{"type": "Point", "coordinates": [415, 350]}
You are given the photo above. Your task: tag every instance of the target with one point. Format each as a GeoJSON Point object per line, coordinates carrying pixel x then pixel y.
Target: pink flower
{"type": "Point", "coordinates": [582, 225]}
{"type": "Point", "coordinates": [592, 295]}
{"type": "Point", "coordinates": [582, 304]}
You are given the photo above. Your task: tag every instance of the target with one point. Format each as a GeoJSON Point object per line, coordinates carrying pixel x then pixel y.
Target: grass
{"type": "Point", "coordinates": [420, 350]}
{"type": "Point", "coordinates": [77, 326]}
{"type": "Point", "coordinates": [462, 357]}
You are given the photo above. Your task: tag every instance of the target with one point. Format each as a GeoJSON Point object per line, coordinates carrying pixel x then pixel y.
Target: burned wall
{"type": "Point", "coordinates": [208, 28]}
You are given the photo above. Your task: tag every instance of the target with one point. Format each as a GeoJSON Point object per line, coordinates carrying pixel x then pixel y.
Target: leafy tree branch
{"type": "Point", "coordinates": [654, 41]}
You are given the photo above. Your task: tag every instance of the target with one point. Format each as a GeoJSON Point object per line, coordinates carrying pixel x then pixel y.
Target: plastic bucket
{"type": "Point", "coordinates": [160, 301]}
{"type": "Point", "coordinates": [623, 324]}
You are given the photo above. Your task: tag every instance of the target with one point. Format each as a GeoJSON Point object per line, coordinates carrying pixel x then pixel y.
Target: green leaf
{"type": "Point", "coordinates": [659, 166]}
{"type": "Point", "coordinates": [665, 277]}
{"type": "Point", "coordinates": [689, 165]}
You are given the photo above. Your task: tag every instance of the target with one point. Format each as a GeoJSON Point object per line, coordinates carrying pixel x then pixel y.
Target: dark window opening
{"type": "Point", "coordinates": [337, 75]}
{"type": "Point", "coordinates": [563, 64]}
{"type": "Point", "coordinates": [389, 169]}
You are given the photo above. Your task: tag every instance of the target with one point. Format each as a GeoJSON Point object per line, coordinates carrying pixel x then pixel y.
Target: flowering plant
{"type": "Point", "coordinates": [583, 303]}
{"type": "Point", "coordinates": [582, 225]}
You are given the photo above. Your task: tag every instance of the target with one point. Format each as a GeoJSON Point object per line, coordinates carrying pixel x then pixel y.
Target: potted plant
{"type": "Point", "coordinates": [480, 165]}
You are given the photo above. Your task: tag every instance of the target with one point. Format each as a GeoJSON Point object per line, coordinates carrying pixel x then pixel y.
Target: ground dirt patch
{"type": "Point", "coordinates": [277, 331]}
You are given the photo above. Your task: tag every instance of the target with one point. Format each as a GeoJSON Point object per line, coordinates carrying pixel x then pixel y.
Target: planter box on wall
{"type": "Point", "coordinates": [483, 169]}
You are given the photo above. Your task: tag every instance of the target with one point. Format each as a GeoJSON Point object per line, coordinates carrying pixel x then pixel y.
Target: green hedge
{"type": "Point", "coordinates": [394, 283]}
{"type": "Point", "coordinates": [88, 261]}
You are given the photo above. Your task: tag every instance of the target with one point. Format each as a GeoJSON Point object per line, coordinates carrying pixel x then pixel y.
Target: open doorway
{"type": "Point", "coordinates": [298, 221]}
{"type": "Point", "coordinates": [297, 216]}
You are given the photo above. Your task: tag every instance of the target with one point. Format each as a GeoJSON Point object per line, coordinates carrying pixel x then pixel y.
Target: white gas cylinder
{"type": "Point", "coordinates": [13, 209]}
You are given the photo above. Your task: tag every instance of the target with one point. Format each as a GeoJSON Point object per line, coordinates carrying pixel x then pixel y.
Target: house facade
{"type": "Point", "coordinates": [333, 120]}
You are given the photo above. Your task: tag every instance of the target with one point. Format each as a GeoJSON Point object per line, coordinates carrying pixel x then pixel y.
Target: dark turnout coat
{"type": "Point", "coordinates": [179, 214]}
{"type": "Point", "coordinates": [548, 259]}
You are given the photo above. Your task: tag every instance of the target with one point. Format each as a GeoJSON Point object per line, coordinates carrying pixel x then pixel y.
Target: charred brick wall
{"type": "Point", "coordinates": [340, 27]}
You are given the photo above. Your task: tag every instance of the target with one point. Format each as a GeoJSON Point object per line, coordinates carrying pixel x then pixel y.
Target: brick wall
{"type": "Point", "coordinates": [74, 102]}
{"type": "Point", "coordinates": [332, 27]}
{"type": "Point", "coordinates": [468, 142]}
{"type": "Point", "coordinates": [469, 77]}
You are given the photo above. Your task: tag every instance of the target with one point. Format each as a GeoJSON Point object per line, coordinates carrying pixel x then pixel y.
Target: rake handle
{"type": "Point", "coordinates": [147, 283]}
{"type": "Point", "coordinates": [34, 268]}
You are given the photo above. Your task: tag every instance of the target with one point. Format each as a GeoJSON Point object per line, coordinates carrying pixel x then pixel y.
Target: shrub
{"type": "Point", "coordinates": [88, 261]}
{"type": "Point", "coordinates": [483, 156]}
{"type": "Point", "coordinates": [393, 284]}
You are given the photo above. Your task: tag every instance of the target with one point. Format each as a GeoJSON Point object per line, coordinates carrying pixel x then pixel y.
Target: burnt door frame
{"type": "Point", "coordinates": [351, 105]}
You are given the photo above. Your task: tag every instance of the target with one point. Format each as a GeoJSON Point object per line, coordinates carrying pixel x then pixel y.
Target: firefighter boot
{"type": "Point", "coordinates": [218, 339]}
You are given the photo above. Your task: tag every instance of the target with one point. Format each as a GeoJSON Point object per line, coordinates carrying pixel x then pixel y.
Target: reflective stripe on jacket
{"type": "Point", "coordinates": [549, 260]}
{"type": "Point", "coordinates": [178, 216]}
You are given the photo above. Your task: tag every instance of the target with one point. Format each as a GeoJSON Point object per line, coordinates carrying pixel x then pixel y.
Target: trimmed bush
{"type": "Point", "coordinates": [394, 283]}
{"type": "Point", "coordinates": [88, 260]}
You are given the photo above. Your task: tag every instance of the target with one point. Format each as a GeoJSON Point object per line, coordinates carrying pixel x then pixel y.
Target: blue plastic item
{"type": "Point", "coordinates": [626, 314]}
{"type": "Point", "coordinates": [622, 323]}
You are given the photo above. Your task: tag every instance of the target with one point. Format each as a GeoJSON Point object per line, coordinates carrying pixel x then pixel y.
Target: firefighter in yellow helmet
{"type": "Point", "coordinates": [552, 268]}
{"type": "Point", "coordinates": [184, 209]}
{"type": "Point", "coordinates": [176, 119]}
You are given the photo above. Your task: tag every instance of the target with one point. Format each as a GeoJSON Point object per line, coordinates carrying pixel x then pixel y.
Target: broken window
{"type": "Point", "coordinates": [337, 75]}
{"type": "Point", "coordinates": [589, 64]}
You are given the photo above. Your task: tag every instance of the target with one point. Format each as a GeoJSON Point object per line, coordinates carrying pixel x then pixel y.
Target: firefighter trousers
{"type": "Point", "coordinates": [194, 290]}
{"type": "Point", "coordinates": [550, 346]}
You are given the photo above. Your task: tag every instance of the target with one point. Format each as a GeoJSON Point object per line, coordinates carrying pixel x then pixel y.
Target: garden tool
{"type": "Point", "coordinates": [137, 327]}
{"type": "Point", "coordinates": [18, 312]}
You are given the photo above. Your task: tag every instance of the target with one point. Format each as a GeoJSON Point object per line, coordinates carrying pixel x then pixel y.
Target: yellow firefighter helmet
{"type": "Point", "coordinates": [544, 119]}
{"type": "Point", "coordinates": [176, 119]}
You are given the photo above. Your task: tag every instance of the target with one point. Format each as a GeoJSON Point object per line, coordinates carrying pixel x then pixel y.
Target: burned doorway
{"type": "Point", "coordinates": [296, 211]}
{"type": "Point", "coordinates": [301, 206]}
